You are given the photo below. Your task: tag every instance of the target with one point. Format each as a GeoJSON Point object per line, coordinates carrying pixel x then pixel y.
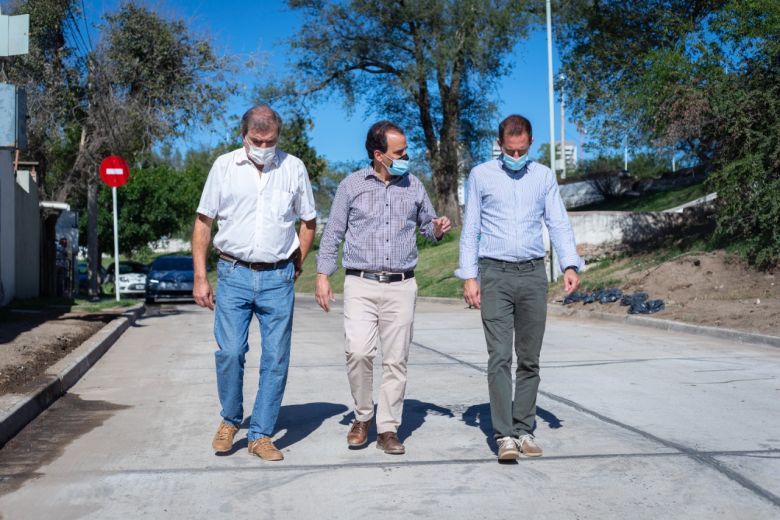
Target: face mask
{"type": "Point", "coordinates": [398, 167]}
{"type": "Point", "coordinates": [261, 155]}
{"type": "Point", "coordinates": [515, 164]}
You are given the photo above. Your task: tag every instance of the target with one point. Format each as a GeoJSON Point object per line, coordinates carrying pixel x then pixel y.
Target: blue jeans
{"type": "Point", "coordinates": [270, 296]}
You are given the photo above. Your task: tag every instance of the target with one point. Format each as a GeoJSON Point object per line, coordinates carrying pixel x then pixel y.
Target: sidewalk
{"type": "Point", "coordinates": [634, 422]}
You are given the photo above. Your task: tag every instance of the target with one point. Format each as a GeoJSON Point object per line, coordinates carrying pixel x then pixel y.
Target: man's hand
{"type": "Point", "coordinates": [441, 225]}
{"type": "Point", "coordinates": [471, 292]}
{"type": "Point", "coordinates": [201, 291]}
{"type": "Point", "coordinates": [297, 260]}
{"type": "Point", "coordinates": [571, 282]}
{"type": "Point", "coordinates": [322, 292]}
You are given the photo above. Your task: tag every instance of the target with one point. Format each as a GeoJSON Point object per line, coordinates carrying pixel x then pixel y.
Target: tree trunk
{"type": "Point", "coordinates": [445, 182]}
{"type": "Point", "coordinates": [92, 237]}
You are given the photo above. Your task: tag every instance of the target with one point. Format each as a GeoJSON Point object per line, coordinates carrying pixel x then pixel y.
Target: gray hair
{"type": "Point", "coordinates": [262, 118]}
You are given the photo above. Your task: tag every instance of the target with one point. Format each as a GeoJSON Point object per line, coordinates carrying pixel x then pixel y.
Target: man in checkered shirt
{"type": "Point", "coordinates": [376, 213]}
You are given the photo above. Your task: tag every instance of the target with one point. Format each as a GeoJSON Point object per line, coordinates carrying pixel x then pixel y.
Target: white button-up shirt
{"type": "Point", "coordinates": [255, 211]}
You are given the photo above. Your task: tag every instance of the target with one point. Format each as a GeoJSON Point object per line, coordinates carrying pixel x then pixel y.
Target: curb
{"type": "Point", "coordinates": [62, 375]}
{"type": "Point", "coordinates": [668, 325]}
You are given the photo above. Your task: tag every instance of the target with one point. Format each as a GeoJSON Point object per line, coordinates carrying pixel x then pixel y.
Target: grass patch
{"type": "Point", "coordinates": [650, 201]}
{"type": "Point", "coordinates": [434, 271]}
{"type": "Point", "coordinates": [78, 304]}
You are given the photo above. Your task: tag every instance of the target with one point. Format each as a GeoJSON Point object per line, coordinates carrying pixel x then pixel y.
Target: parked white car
{"type": "Point", "coordinates": [132, 277]}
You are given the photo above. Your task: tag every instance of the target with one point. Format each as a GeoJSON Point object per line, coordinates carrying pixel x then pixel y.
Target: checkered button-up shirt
{"type": "Point", "coordinates": [377, 222]}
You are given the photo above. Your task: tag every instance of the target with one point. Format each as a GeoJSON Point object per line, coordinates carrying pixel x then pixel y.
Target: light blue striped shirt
{"type": "Point", "coordinates": [504, 212]}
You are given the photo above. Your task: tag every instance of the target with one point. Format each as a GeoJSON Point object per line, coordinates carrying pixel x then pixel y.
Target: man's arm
{"type": "Point", "coordinates": [469, 244]}
{"type": "Point", "coordinates": [562, 237]}
{"type": "Point", "coordinates": [201, 237]}
{"type": "Point", "coordinates": [431, 227]}
{"type": "Point", "coordinates": [329, 246]}
{"type": "Point", "coordinates": [306, 238]}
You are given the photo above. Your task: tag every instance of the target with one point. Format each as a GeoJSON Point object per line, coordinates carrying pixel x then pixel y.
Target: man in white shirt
{"type": "Point", "coordinates": [255, 194]}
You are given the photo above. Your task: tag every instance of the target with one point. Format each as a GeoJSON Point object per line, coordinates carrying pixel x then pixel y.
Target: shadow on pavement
{"type": "Point", "coordinates": [479, 417]}
{"type": "Point", "coordinates": [301, 420]}
{"type": "Point", "coordinates": [413, 417]}
{"type": "Point", "coordinates": [45, 438]}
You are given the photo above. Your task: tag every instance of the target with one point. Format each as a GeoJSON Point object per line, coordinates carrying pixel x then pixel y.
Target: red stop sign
{"type": "Point", "coordinates": [114, 171]}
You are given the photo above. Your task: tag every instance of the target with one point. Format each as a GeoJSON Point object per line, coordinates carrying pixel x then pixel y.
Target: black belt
{"type": "Point", "coordinates": [381, 277]}
{"type": "Point", "coordinates": [255, 266]}
{"type": "Point", "coordinates": [507, 262]}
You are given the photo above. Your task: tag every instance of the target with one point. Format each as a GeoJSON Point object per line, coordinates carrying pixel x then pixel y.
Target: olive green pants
{"type": "Point", "coordinates": [514, 312]}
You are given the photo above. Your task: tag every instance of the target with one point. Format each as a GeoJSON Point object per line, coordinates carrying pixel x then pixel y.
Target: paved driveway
{"type": "Point", "coordinates": [635, 423]}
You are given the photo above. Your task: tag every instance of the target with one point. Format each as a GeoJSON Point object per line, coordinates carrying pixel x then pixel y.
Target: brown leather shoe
{"type": "Point", "coordinates": [388, 441]}
{"type": "Point", "coordinates": [223, 439]}
{"type": "Point", "coordinates": [358, 434]}
{"type": "Point", "coordinates": [265, 449]}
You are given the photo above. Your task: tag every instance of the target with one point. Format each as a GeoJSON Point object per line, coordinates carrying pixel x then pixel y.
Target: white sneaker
{"type": "Point", "coordinates": [508, 449]}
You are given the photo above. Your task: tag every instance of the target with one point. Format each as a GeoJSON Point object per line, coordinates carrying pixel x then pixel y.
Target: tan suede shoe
{"type": "Point", "coordinates": [265, 449]}
{"type": "Point", "coordinates": [507, 449]}
{"type": "Point", "coordinates": [528, 446]}
{"type": "Point", "coordinates": [223, 439]}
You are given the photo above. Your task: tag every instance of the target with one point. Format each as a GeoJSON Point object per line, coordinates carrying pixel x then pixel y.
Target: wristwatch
{"type": "Point", "coordinates": [571, 267]}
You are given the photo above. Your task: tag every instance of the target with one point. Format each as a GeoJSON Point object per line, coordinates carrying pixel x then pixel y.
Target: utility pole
{"type": "Point", "coordinates": [551, 108]}
{"type": "Point", "coordinates": [563, 132]}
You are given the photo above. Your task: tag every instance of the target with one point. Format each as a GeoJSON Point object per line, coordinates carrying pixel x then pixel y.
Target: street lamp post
{"type": "Point", "coordinates": [562, 77]}
{"type": "Point", "coordinates": [551, 107]}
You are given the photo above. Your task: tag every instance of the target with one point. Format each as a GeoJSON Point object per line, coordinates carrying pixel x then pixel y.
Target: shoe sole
{"type": "Point", "coordinates": [391, 452]}
{"type": "Point", "coordinates": [509, 456]}
{"type": "Point", "coordinates": [357, 445]}
{"type": "Point", "coordinates": [532, 454]}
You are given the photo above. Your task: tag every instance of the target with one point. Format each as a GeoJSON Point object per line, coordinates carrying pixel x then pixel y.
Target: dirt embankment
{"type": "Point", "coordinates": [712, 289]}
{"type": "Point", "coordinates": [32, 340]}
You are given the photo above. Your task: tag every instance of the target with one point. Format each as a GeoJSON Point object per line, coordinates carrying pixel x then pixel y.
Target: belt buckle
{"type": "Point", "coordinates": [383, 277]}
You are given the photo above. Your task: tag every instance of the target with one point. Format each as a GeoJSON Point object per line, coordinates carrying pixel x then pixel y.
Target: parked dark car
{"type": "Point", "coordinates": [169, 277]}
{"type": "Point", "coordinates": [83, 270]}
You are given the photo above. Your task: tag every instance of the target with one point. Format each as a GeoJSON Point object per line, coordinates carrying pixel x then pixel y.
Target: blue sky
{"type": "Point", "coordinates": [259, 28]}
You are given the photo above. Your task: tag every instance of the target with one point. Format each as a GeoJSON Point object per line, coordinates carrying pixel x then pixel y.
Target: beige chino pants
{"type": "Point", "coordinates": [378, 315]}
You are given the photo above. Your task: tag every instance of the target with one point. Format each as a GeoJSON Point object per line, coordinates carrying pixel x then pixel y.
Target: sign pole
{"type": "Point", "coordinates": [116, 247]}
{"type": "Point", "coordinates": [115, 173]}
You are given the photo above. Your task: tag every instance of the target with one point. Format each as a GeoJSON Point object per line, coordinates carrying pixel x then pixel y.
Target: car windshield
{"type": "Point", "coordinates": [132, 268]}
{"type": "Point", "coordinates": [172, 264]}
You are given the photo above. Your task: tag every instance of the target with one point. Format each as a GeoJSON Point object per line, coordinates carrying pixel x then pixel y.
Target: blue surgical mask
{"type": "Point", "coordinates": [515, 164]}
{"type": "Point", "coordinates": [398, 167]}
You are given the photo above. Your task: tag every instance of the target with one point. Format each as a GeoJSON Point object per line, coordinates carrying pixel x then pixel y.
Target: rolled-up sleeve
{"type": "Point", "coordinates": [334, 232]}
{"type": "Point", "coordinates": [469, 237]}
{"type": "Point", "coordinates": [559, 227]}
{"type": "Point", "coordinates": [304, 205]}
{"type": "Point", "coordinates": [209, 198]}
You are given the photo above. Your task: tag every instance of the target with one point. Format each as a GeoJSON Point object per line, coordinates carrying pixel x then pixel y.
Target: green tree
{"type": "Point", "coordinates": [294, 139]}
{"type": "Point", "coordinates": [145, 80]}
{"type": "Point", "coordinates": [430, 65]}
{"type": "Point", "coordinates": [698, 76]}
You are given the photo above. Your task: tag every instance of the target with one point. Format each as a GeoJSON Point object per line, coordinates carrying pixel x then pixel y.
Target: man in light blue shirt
{"type": "Point", "coordinates": [502, 265]}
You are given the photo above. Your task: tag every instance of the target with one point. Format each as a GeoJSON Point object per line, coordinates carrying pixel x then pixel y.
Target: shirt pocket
{"type": "Point", "coordinates": [279, 205]}
{"type": "Point", "coordinates": [404, 210]}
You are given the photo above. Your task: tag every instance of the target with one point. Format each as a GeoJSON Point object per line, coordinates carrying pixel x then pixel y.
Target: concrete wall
{"type": "Point", "coordinates": [599, 233]}
{"type": "Point", "coordinates": [28, 236]}
{"type": "Point", "coordinates": [7, 230]}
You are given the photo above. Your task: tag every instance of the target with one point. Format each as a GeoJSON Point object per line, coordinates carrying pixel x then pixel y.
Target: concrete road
{"type": "Point", "coordinates": [635, 423]}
